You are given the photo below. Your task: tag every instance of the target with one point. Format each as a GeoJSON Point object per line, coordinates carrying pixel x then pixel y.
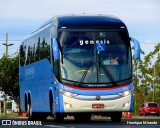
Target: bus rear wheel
{"type": "Point", "coordinates": [30, 114]}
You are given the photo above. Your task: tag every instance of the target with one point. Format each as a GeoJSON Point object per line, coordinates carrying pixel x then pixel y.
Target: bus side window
{"type": "Point", "coordinates": [22, 55]}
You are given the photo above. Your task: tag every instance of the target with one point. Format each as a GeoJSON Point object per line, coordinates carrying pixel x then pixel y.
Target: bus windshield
{"type": "Point", "coordinates": [95, 56]}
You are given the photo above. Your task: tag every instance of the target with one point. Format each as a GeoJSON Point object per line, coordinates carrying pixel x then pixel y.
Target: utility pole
{"type": "Point", "coordinates": [153, 99]}
{"type": "Point", "coordinates": [5, 95]}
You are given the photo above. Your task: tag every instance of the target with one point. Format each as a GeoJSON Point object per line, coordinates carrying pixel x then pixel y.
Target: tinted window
{"type": "Point", "coordinates": [152, 105]}
{"type": "Point", "coordinates": [35, 48]}
{"type": "Point", "coordinates": [22, 55]}
{"type": "Point", "coordinates": [42, 45]}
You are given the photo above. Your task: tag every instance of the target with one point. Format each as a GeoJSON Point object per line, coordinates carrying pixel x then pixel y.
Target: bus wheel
{"type": "Point", "coordinates": [57, 117]}
{"type": "Point", "coordinates": [31, 115]}
{"type": "Point", "coordinates": [29, 111]}
{"type": "Point", "coordinates": [116, 117]}
{"type": "Point", "coordinates": [82, 117]}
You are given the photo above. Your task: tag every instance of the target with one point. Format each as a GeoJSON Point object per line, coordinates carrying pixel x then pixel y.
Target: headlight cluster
{"type": "Point", "coordinates": [126, 93]}
{"type": "Point", "coordinates": [68, 94]}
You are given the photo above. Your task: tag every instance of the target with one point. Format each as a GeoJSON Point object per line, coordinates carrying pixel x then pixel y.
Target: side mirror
{"type": "Point", "coordinates": [55, 49]}
{"type": "Point", "coordinates": [137, 48]}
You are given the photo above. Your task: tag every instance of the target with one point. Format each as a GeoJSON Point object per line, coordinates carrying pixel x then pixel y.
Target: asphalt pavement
{"type": "Point", "coordinates": [69, 122]}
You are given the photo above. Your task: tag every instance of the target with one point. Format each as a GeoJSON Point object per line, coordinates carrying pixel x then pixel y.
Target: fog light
{"type": "Point", "coordinates": [67, 105]}
{"type": "Point", "coordinates": [126, 104]}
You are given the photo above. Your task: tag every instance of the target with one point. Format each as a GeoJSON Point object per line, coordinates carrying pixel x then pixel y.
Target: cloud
{"type": "Point", "coordinates": [41, 9]}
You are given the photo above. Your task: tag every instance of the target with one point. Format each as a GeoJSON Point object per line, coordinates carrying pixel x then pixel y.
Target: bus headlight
{"type": "Point", "coordinates": [68, 94]}
{"type": "Point", "coordinates": [126, 93]}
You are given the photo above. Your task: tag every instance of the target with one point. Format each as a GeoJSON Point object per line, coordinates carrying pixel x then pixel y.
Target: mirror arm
{"type": "Point", "coordinates": [136, 48]}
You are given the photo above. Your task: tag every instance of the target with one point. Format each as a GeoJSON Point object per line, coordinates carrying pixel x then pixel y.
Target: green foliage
{"type": "Point", "coordinates": [146, 75]}
{"type": "Point", "coordinates": [9, 105]}
{"type": "Point", "coordinates": [9, 76]}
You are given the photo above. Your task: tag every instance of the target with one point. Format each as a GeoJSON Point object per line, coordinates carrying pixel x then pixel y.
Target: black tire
{"type": "Point", "coordinates": [82, 117]}
{"type": "Point", "coordinates": [30, 114]}
{"type": "Point", "coordinates": [58, 117]}
{"type": "Point", "coordinates": [116, 117]}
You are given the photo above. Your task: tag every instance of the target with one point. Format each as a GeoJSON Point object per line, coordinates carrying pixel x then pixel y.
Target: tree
{"type": "Point", "coordinates": [9, 76]}
{"type": "Point", "coordinates": [139, 91]}
{"type": "Point", "coordinates": [152, 62]}
{"type": "Point", "coordinates": [146, 73]}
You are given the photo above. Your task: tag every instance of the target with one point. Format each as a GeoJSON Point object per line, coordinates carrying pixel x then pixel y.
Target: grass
{"type": "Point", "coordinates": [10, 115]}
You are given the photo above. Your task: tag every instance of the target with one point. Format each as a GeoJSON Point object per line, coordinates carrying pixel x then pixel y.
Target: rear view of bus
{"type": "Point", "coordinates": [91, 66]}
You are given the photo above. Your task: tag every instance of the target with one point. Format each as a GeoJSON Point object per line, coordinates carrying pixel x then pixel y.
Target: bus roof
{"type": "Point", "coordinates": [87, 22]}
{"type": "Point", "coordinates": [82, 22]}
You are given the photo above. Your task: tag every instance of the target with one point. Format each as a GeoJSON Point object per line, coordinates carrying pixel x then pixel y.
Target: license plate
{"type": "Point", "coordinates": [97, 105]}
{"type": "Point", "coordinates": [153, 112]}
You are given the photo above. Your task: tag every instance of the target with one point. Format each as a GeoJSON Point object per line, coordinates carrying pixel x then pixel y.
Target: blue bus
{"type": "Point", "coordinates": [77, 65]}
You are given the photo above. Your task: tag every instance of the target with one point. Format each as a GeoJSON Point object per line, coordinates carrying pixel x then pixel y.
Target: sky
{"type": "Point", "coordinates": [21, 17]}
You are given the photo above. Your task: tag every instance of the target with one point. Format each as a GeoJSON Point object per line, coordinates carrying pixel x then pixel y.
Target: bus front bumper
{"type": "Point", "coordinates": [122, 104]}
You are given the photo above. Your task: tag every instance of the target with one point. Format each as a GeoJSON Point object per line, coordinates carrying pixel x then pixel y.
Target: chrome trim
{"type": "Point", "coordinates": [93, 98]}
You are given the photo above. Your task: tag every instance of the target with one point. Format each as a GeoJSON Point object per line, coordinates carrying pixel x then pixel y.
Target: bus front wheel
{"type": "Point", "coordinates": [57, 117]}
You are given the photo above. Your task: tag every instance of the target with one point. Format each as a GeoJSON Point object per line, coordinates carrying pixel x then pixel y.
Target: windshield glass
{"type": "Point", "coordinates": [152, 105]}
{"type": "Point", "coordinates": [95, 57]}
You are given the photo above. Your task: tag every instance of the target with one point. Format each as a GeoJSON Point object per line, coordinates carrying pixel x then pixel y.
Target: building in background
{"type": "Point", "coordinates": [14, 107]}
{"type": "Point", "coordinates": [1, 101]}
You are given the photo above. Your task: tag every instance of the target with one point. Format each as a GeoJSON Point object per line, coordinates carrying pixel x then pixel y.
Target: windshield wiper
{"type": "Point", "coordinates": [85, 72]}
{"type": "Point", "coordinates": [108, 74]}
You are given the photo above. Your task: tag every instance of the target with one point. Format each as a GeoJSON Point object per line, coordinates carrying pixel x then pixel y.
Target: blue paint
{"type": "Point", "coordinates": [37, 85]}
{"type": "Point", "coordinates": [61, 102]}
{"type": "Point", "coordinates": [137, 48]}
{"type": "Point", "coordinates": [132, 103]}
{"type": "Point", "coordinates": [55, 49]}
